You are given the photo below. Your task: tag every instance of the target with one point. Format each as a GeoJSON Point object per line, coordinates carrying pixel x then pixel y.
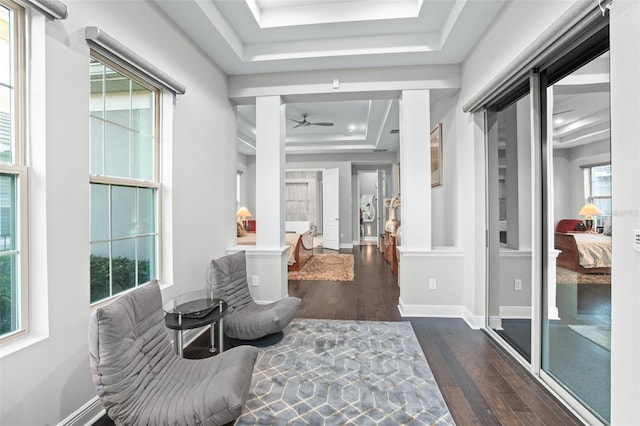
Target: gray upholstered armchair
{"type": "Point", "coordinates": [141, 381]}
{"type": "Point", "coordinates": [245, 319]}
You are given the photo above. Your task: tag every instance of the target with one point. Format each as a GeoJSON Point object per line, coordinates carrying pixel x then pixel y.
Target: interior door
{"type": "Point", "coordinates": [331, 209]}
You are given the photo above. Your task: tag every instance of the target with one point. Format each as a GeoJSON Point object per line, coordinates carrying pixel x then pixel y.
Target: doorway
{"type": "Point", "coordinates": [371, 192]}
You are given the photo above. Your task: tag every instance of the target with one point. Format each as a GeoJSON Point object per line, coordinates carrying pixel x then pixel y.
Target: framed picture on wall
{"type": "Point", "coordinates": [436, 155]}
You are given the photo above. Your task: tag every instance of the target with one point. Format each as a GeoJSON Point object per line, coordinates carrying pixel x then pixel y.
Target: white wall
{"type": "Point", "coordinates": [443, 198]}
{"type": "Point", "coordinates": [568, 180]}
{"type": "Point", "coordinates": [517, 25]}
{"type": "Point", "coordinates": [45, 382]}
{"type": "Point", "coordinates": [251, 185]}
{"type": "Point", "coordinates": [625, 153]}
{"type": "Point", "coordinates": [241, 165]}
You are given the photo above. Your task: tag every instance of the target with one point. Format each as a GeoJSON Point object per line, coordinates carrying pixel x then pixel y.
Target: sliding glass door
{"type": "Point", "coordinates": [576, 332]}
{"type": "Point", "coordinates": [509, 224]}
{"type": "Point", "coordinates": [549, 210]}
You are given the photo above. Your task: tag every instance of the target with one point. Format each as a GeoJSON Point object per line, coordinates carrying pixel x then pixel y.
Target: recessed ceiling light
{"type": "Point", "coordinates": [352, 127]}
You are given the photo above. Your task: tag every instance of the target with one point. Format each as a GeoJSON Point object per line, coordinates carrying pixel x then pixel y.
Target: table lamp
{"type": "Point", "coordinates": [244, 213]}
{"type": "Point", "coordinates": [588, 211]}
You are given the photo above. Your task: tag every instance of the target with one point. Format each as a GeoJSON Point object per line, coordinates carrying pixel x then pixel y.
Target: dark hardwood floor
{"type": "Point", "coordinates": [481, 384]}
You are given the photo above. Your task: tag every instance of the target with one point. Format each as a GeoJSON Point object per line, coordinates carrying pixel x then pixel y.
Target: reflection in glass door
{"type": "Point", "coordinates": [509, 224]}
{"type": "Point", "coordinates": [576, 338]}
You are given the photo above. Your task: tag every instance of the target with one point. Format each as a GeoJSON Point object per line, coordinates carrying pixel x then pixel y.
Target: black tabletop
{"type": "Point", "coordinates": [190, 321]}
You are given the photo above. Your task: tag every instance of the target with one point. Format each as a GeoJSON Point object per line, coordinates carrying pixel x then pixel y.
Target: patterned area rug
{"type": "Point", "coordinates": [565, 276]}
{"type": "Point", "coordinates": [326, 267]}
{"type": "Point", "coordinates": [344, 372]}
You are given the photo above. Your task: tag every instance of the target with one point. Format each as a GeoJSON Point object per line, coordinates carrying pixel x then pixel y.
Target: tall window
{"type": "Point", "coordinates": [13, 174]}
{"type": "Point", "coordinates": [597, 189]}
{"type": "Point", "coordinates": [124, 180]}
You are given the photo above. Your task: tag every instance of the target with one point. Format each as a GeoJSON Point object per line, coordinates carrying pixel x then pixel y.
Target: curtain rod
{"type": "Point", "coordinates": [52, 8]}
{"type": "Point", "coordinates": [108, 45]}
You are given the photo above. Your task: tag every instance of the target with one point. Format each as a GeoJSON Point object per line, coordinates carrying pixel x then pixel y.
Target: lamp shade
{"type": "Point", "coordinates": [243, 212]}
{"type": "Point", "coordinates": [589, 210]}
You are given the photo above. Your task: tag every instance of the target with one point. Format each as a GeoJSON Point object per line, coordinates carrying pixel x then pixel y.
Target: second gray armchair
{"type": "Point", "coordinates": [245, 319]}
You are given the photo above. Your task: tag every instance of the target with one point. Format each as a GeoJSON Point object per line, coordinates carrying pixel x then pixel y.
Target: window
{"type": "Point", "coordinates": [124, 175]}
{"type": "Point", "coordinates": [597, 189]}
{"type": "Point", "coordinates": [13, 174]}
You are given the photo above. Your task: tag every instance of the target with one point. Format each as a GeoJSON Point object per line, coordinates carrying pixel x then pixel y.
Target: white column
{"type": "Point", "coordinates": [267, 262]}
{"type": "Point", "coordinates": [270, 159]}
{"type": "Point", "coordinates": [415, 169]}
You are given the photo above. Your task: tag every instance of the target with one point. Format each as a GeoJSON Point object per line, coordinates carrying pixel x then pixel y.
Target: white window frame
{"type": "Point", "coordinates": [18, 168]}
{"type": "Point", "coordinates": [588, 188]}
{"type": "Point", "coordinates": [155, 183]}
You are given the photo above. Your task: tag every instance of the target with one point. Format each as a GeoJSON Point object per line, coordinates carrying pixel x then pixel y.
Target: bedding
{"type": "Point", "coordinates": [300, 247]}
{"type": "Point", "coordinates": [583, 252]}
{"type": "Point", "coordinates": [594, 250]}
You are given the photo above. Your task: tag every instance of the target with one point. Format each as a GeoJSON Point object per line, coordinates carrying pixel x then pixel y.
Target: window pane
{"type": "Point", "coordinates": [9, 295]}
{"type": "Point", "coordinates": [142, 157]}
{"type": "Point", "coordinates": [97, 147]}
{"type": "Point", "coordinates": [142, 102]}
{"type": "Point", "coordinates": [8, 236]}
{"type": "Point", "coordinates": [123, 265]}
{"type": "Point", "coordinates": [97, 88]}
{"type": "Point", "coordinates": [99, 212]}
{"type": "Point", "coordinates": [117, 97]}
{"type": "Point", "coordinates": [146, 211]}
{"type": "Point", "coordinates": [5, 45]}
{"type": "Point", "coordinates": [5, 126]}
{"type": "Point", "coordinates": [123, 211]}
{"type": "Point", "coordinates": [601, 180]}
{"type": "Point", "coordinates": [99, 271]}
{"type": "Point", "coordinates": [117, 151]}
{"type": "Point", "coordinates": [146, 259]}
{"type": "Point", "coordinates": [604, 204]}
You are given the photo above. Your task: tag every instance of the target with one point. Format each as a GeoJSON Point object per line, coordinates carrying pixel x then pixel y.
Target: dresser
{"type": "Point", "coordinates": [390, 252]}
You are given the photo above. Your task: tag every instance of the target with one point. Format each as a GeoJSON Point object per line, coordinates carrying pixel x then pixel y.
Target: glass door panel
{"type": "Point", "coordinates": [509, 224]}
{"type": "Point", "coordinates": [576, 329]}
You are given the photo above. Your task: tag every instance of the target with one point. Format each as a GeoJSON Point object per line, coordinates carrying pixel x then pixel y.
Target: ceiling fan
{"type": "Point", "coordinates": [305, 123]}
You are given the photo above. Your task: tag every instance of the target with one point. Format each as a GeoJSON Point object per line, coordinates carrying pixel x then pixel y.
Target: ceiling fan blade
{"type": "Point", "coordinates": [298, 125]}
{"type": "Point", "coordinates": [321, 124]}
{"type": "Point", "coordinates": [296, 121]}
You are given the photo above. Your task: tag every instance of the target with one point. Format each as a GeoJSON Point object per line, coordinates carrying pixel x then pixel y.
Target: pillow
{"type": "Point", "coordinates": [240, 230]}
{"type": "Point", "coordinates": [607, 230]}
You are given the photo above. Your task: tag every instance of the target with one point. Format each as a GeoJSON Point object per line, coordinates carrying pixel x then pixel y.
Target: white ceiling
{"type": "Point", "coordinates": [271, 36]}
{"type": "Point", "coordinates": [581, 112]}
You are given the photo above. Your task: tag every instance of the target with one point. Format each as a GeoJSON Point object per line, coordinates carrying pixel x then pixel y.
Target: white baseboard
{"type": "Point", "coordinates": [346, 245]}
{"type": "Point", "coordinates": [474, 321]}
{"type": "Point", "coordinates": [515, 312]}
{"type": "Point", "coordinates": [88, 414]}
{"type": "Point", "coordinates": [495, 323]}
{"type": "Point", "coordinates": [441, 311]}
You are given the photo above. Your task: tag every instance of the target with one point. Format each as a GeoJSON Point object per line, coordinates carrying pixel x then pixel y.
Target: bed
{"type": "Point", "coordinates": [583, 252]}
{"type": "Point", "coordinates": [300, 244]}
